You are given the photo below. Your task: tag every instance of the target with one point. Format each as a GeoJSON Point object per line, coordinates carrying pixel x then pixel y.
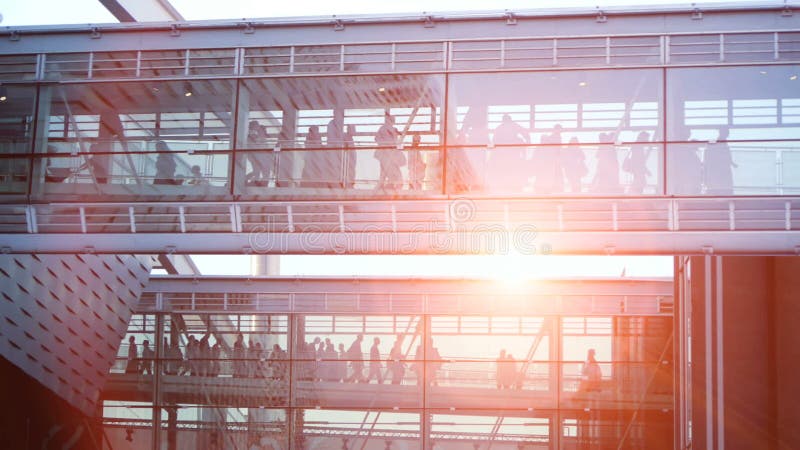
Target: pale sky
{"type": "Point", "coordinates": [48, 12]}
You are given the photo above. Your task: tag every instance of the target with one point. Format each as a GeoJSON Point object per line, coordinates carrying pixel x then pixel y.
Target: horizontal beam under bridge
{"type": "Point", "coordinates": [404, 285]}
{"type": "Point", "coordinates": [396, 295]}
{"type": "Point", "coordinates": [530, 242]}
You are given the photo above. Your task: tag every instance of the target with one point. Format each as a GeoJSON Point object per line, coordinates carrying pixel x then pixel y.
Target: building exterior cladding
{"type": "Point", "coordinates": [64, 316]}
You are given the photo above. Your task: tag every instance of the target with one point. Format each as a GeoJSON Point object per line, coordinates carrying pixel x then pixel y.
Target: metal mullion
{"type": "Point", "coordinates": [776, 46]}
{"type": "Point", "coordinates": [664, 132]}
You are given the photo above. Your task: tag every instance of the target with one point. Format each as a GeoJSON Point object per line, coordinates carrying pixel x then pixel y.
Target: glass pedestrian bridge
{"type": "Point", "coordinates": [666, 122]}
{"type": "Point", "coordinates": [447, 362]}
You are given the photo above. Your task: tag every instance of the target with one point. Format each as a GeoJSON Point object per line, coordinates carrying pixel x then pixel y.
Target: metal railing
{"type": "Point", "coordinates": [644, 50]}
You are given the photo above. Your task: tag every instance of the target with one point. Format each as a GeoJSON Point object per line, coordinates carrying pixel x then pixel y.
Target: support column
{"type": "Point", "coordinates": [157, 370]}
{"type": "Point", "coordinates": [286, 160]}
{"type": "Point", "coordinates": [263, 265]}
{"type": "Point", "coordinates": [239, 159]}
{"type": "Point", "coordinates": [425, 419]}
{"type": "Point", "coordinates": [745, 352]}
{"type": "Point", "coordinates": [554, 355]}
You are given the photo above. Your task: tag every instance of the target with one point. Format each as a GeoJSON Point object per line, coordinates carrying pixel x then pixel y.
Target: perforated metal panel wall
{"type": "Point", "coordinates": [62, 317]}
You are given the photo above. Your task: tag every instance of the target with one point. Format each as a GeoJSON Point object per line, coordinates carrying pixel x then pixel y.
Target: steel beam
{"type": "Point", "coordinates": [142, 10]}
{"type": "Point", "coordinates": [178, 264]}
{"type": "Point", "coordinates": [739, 242]}
{"type": "Point", "coordinates": [405, 286]}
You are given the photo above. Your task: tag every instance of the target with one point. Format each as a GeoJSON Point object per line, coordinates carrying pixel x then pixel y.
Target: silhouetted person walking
{"type": "Point", "coordinates": [133, 357]}
{"type": "Point", "coordinates": [389, 156]}
{"type": "Point", "coordinates": [356, 357]}
{"type": "Point", "coordinates": [719, 165]}
{"type": "Point", "coordinates": [148, 356]}
{"type": "Point", "coordinates": [375, 366]}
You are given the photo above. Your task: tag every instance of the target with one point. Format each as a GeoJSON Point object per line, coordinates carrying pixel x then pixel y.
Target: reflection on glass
{"type": "Point", "coordinates": [155, 169]}
{"type": "Point", "coordinates": [537, 132]}
{"type": "Point", "coordinates": [344, 428]}
{"type": "Point", "coordinates": [16, 113]}
{"type": "Point", "coordinates": [720, 168]}
{"type": "Point", "coordinates": [524, 107]}
{"type": "Point", "coordinates": [114, 113]}
{"type": "Point", "coordinates": [14, 175]}
{"type": "Point", "coordinates": [472, 428]}
{"type": "Point", "coordinates": [340, 135]}
{"type": "Point", "coordinates": [345, 375]}
{"type": "Point", "coordinates": [568, 169]}
{"type": "Point", "coordinates": [755, 102]}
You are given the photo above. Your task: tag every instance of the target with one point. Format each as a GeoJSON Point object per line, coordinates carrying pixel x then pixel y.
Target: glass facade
{"type": "Point", "coordinates": [532, 132]}
{"type": "Point", "coordinates": [390, 381]}
{"type": "Point", "coordinates": [733, 130]}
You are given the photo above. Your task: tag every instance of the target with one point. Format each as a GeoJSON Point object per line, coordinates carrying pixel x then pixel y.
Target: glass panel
{"type": "Point", "coordinates": [14, 175]}
{"type": "Point", "coordinates": [155, 172]}
{"type": "Point", "coordinates": [529, 53]}
{"type": "Point", "coordinates": [136, 139]}
{"type": "Point", "coordinates": [503, 383]}
{"type": "Point", "coordinates": [340, 136]}
{"type": "Point", "coordinates": [697, 48]}
{"type": "Point", "coordinates": [350, 370]}
{"type": "Point", "coordinates": [753, 103]}
{"type": "Point", "coordinates": [16, 118]}
{"type": "Point", "coordinates": [17, 67]}
{"type": "Point", "coordinates": [128, 424]}
{"type": "Point", "coordinates": [196, 426]}
{"type": "Point", "coordinates": [194, 115]}
{"type": "Point", "coordinates": [734, 168]}
{"type": "Point", "coordinates": [624, 169]}
{"type": "Point", "coordinates": [511, 429]}
{"type": "Point", "coordinates": [374, 429]}
{"type": "Point", "coordinates": [556, 133]}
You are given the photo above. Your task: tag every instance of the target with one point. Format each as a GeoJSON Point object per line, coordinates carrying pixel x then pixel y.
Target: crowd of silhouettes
{"type": "Point", "coordinates": [507, 376]}
{"type": "Point", "coordinates": [319, 360]}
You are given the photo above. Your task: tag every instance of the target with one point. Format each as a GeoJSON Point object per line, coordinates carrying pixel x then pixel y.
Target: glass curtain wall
{"type": "Point", "coordinates": [355, 136]}
{"type": "Point", "coordinates": [734, 131]}
{"type": "Point", "coordinates": [390, 381]}
{"type": "Point", "coordinates": [17, 105]}
{"type": "Point", "coordinates": [583, 132]}
{"type": "Point", "coordinates": [155, 139]}
{"type": "Point", "coordinates": [595, 132]}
